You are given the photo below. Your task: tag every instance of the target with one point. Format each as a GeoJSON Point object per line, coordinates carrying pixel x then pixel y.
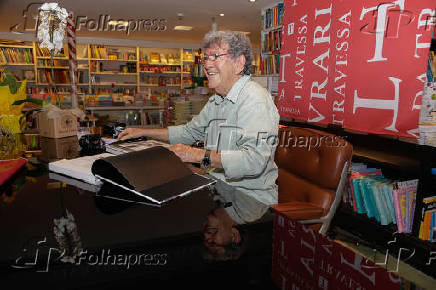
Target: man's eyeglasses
{"type": "Point", "coordinates": [212, 57]}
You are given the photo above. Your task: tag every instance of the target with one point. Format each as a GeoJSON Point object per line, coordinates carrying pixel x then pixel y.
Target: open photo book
{"type": "Point", "coordinates": [151, 176]}
{"type": "Point", "coordinates": [131, 145]}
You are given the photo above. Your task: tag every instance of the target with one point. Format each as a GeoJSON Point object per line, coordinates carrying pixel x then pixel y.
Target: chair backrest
{"type": "Point", "coordinates": [310, 164]}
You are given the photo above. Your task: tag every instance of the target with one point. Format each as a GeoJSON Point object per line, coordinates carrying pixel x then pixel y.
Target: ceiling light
{"type": "Point", "coordinates": [180, 14]}
{"type": "Point", "coordinates": [221, 14]}
{"type": "Point", "coordinates": [182, 27]}
{"type": "Point", "coordinates": [252, 1]}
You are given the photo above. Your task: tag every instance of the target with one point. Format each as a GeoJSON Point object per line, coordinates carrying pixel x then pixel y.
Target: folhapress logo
{"type": "Point", "coordinates": [103, 22]}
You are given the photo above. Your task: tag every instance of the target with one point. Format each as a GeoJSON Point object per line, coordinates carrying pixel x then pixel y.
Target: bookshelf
{"type": "Point", "coordinates": [268, 62]}
{"type": "Point", "coordinates": [19, 59]}
{"type": "Point", "coordinates": [271, 39]}
{"type": "Point", "coordinates": [105, 71]}
{"type": "Point", "coordinates": [398, 160]}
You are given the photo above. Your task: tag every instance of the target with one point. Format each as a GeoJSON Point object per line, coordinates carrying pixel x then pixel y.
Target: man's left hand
{"type": "Point", "coordinates": [187, 153]}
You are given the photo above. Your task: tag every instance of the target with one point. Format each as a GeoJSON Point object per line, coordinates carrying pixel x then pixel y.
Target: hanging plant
{"type": "Point", "coordinates": [51, 30]}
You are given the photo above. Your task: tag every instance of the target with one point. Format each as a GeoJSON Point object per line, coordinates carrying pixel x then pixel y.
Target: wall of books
{"type": "Point", "coordinates": [388, 201]}
{"type": "Point", "coordinates": [108, 76]}
{"type": "Point", "coordinates": [271, 39]}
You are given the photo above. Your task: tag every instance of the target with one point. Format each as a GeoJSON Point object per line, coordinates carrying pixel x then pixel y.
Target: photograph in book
{"type": "Point", "coordinates": [131, 145]}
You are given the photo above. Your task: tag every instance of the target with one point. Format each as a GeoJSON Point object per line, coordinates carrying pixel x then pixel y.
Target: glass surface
{"type": "Point", "coordinates": [60, 232]}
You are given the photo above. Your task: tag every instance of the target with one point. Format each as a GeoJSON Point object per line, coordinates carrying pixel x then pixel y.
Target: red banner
{"type": "Point", "coordinates": [304, 259]}
{"type": "Point", "coordinates": [357, 64]}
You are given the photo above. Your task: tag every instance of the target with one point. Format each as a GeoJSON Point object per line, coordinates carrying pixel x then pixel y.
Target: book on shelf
{"type": "Point", "coordinates": [10, 55]}
{"type": "Point", "coordinates": [427, 216]}
{"type": "Point", "coordinates": [151, 176]}
{"type": "Point", "coordinates": [45, 52]}
{"type": "Point", "coordinates": [132, 145]}
{"type": "Point", "coordinates": [387, 201]}
{"type": "Point", "coordinates": [272, 41]}
{"type": "Point", "coordinates": [60, 76]}
{"type": "Point", "coordinates": [273, 16]}
{"type": "Point", "coordinates": [270, 64]}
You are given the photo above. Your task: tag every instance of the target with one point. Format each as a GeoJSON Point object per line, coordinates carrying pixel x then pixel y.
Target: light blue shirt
{"type": "Point", "coordinates": [243, 126]}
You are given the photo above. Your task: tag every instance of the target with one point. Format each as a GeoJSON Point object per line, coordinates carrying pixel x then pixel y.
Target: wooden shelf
{"type": "Point", "coordinates": [130, 60]}
{"type": "Point", "coordinates": [113, 73]}
{"type": "Point", "coordinates": [54, 57]}
{"type": "Point", "coordinates": [55, 67]}
{"type": "Point", "coordinates": [57, 84]}
{"type": "Point", "coordinates": [25, 64]}
{"type": "Point", "coordinates": [157, 85]}
{"type": "Point", "coordinates": [118, 108]}
{"type": "Point", "coordinates": [266, 30]}
{"type": "Point", "coordinates": [116, 84]}
{"type": "Point", "coordinates": [164, 72]}
{"type": "Point", "coordinates": [178, 64]}
{"type": "Point", "coordinates": [15, 46]}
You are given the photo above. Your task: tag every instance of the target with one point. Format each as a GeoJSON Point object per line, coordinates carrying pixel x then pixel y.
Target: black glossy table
{"type": "Point", "coordinates": [115, 243]}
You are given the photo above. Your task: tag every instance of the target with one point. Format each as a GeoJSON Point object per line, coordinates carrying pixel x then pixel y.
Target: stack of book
{"type": "Point", "coordinates": [98, 51]}
{"type": "Point", "coordinates": [272, 41]}
{"type": "Point", "coordinates": [270, 64]}
{"type": "Point", "coordinates": [273, 16]}
{"type": "Point", "coordinates": [389, 202]}
{"type": "Point", "coordinates": [16, 55]}
{"type": "Point", "coordinates": [45, 52]}
{"type": "Point", "coordinates": [60, 76]}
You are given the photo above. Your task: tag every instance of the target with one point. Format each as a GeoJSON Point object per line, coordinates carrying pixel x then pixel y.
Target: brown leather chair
{"type": "Point", "coordinates": [312, 172]}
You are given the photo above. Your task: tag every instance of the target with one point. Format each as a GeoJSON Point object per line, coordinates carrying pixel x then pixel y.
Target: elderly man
{"type": "Point", "coordinates": [238, 125]}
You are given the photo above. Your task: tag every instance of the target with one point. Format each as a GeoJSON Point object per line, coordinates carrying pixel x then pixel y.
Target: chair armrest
{"type": "Point", "coordinates": [299, 210]}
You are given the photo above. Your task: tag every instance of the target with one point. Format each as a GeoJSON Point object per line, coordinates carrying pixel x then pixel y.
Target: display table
{"type": "Point", "coordinates": [121, 243]}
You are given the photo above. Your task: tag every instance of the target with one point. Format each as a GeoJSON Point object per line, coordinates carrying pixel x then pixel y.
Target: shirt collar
{"type": "Point", "coordinates": [234, 91]}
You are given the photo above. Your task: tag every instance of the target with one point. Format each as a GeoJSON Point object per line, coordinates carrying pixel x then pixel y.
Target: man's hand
{"type": "Point", "coordinates": [129, 133]}
{"type": "Point", "coordinates": [187, 153]}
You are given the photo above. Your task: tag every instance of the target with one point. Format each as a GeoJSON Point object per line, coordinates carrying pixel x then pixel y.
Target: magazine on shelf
{"type": "Point", "coordinates": [150, 176]}
{"type": "Point", "coordinates": [132, 145]}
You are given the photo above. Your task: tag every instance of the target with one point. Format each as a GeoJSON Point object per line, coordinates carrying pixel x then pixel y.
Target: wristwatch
{"type": "Point", "coordinates": [206, 163]}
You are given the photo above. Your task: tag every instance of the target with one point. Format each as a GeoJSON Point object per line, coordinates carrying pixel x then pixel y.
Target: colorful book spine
{"type": "Point", "coordinates": [358, 196]}
{"type": "Point", "coordinates": [387, 190]}
{"type": "Point", "coordinates": [370, 197]}
{"type": "Point", "coordinates": [396, 197]}
{"type": "Point", "coordinates": [379, 205]}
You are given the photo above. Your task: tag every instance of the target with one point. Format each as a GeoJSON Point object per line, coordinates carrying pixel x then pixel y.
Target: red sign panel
{"type": "Point", "coordinates": [304, 259]}
{"type": "Point", "coordinates": [357, 64]}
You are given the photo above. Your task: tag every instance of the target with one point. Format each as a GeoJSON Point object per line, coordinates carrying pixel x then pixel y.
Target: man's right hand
{"type": "Point", "coordinates": [130, 133]}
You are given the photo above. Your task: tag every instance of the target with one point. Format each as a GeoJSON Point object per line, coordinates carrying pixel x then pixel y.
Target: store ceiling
{"type": "Point", "coordinates": [241, 15]}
